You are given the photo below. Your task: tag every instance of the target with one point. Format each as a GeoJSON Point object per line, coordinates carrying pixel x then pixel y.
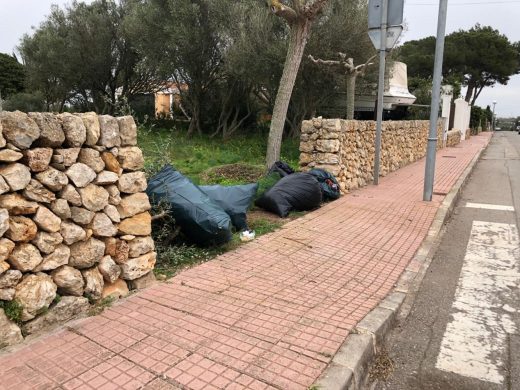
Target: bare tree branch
{"type": "Point", "coordinates": [284, 11]}
{"type": "Point", "coordinates": [312, 9]}
{"type": "Point", "coordinates": [319, 61]}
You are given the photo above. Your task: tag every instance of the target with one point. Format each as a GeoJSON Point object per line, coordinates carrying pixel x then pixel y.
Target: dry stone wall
{"type": "Point", "coordinates": [453, 138]}
{"type": "Point", "coordinates": [74, 219]}
{"type": "Point", "coordinates": [346, 147]}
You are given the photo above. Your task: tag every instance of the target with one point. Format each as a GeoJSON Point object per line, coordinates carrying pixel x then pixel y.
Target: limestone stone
{"type": "Point", "coordinates": [4, 221]}
{"type": "Point", "coordinates": [10, 279]}
{"type": "Point", "coordinates": [122, 251]}
{"type": "Point", "coordinates": [51, 133]}
{"type": "Point", "coordinates": [328, 145]}
{"type": "Point", "coordinates": [117, 290]}
{"type": "Point", "coordinates": [67, 308]}
{"type": "Point", "coordinates": [94, 198]}
{"type": "Point", "coordinates": [114, 196]}
{"type": "Point", "coordinates": [7, 294]}
{"type": "Point", "coordinates": [92, 159]}
{"type": "Point", "coordinates": [66, 157]}
{"type": "Point", "coordinates": [70, 194]}
{"type": "Point", "coordinates": [80, 174]}
{"type": "Point", "coordinates": [131, 158]}
{"type": "Point", "coordinates": [109, 136]}
{"type": "Point", "coordinates": [109, 269]}
{"type": "Point", "coordinates": [25, 257]}
{"type": "Point", "coordinates": [128, 237]}
{"type": "Point", "coordinates": [112, 213]}
{"type": "Point", "coordinates": [93, 283]}
{"type": "Point", "coordinates": [8, 155]}
{"type": "Point", "coordinates": [47, 242]}
{"type": "Point", "coordinates": [47, 220]}
{"type": "Point", "coordinates": [87, 253]}
{"type": "Point", "coordinates": [127, 130]}
{"type": "Point", "coordinates": [52, 179]}
{"type": "Point", "coordinates": [138, 225]}
{"type": "Point", "coordinates": [142, 282]}
{"type": "Point", "coordinates": [38, 159]}
{"type": "Point", "coordinates": [133, 204]}
{"type": "Point", "coordinates": [16, 175]}
{"type": "Point", "coordinates": [110, 246]}
{"type": "Point", "coordinates": [131, 183]}
{"type": "Point", "coordinates": [4, 187]}
{"type": "Point", "coordinates": [35, 293]}
{"type": "Point", "coordinates": [102, 226]}
{"type": "Point", "coordinates": [61, 208]}
{"type": "Point", "coordinates": [81, 216]}
{"type": "Point", "coordinates": [91, 122]}
{"type": "Point", "coordinates": [18, 129]}
{"type": "Point", "coordinates": [6, 247]}
{"type": "Point", "coordinates": [72, 233]}
{"type": "Point", "coordinates": [141, 246]}
{"type": "Point", "coordinates": [106, 177]}
{"type": "Point", "coordinates": [4, 266]}
{"type": "Point", "coordinates": [137, 267]}
{"type": "Point", "coordinates": [37, 192]}
{"type": "Point", "coordinates": [60, 256]}
{"type": "Point", "coordinates": [74, 129]}
{"type": "Point", "coordinates": [10, 333]}
{"type": "Point", "coordinates": [21, 229]}
{"type": "Point", "coordinates": [111, 163]}
{"type": "Point", "coordinates": [69, 280]}
{"type": "Point", "coordinates": [16, 204]}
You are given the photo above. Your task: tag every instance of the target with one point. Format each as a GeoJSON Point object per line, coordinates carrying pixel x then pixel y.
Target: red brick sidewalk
{"type": "Point", "coordinates": [269, 315]}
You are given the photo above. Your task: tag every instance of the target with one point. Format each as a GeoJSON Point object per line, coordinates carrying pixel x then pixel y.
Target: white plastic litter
{"type": "Point", "coordinates": [247, 235]}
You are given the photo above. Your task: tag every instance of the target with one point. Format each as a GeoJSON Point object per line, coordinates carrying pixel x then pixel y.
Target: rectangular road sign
{"type": "Point", "coordinates": [395, 13]}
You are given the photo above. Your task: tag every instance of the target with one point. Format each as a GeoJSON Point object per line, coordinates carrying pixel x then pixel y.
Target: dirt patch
{"type": "Point", "coordinates": [233, 172]}
{"type": "Point", "coordinates": [382, 368]}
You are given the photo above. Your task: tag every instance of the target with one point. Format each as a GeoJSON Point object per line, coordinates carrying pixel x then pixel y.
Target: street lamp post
{"type": "Point", "coordinates": [493, 119]}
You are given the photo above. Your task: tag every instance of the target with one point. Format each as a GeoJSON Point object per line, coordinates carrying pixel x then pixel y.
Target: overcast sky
{"type": "Point", "coordinates": [18, 16]}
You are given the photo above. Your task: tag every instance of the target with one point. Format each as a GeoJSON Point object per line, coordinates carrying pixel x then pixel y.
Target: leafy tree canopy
{"type": "Point", "coordinates": [12, 75]}
{"type": "Point", "coordinates": [478, 58]}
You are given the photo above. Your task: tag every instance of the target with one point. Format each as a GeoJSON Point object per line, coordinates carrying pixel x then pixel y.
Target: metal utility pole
{"type": "Point", "coordinates": [380, 88]}
{"type": "Point", "coordinates": [429, 174]}
{"type": "Point", "coordinates": [385, 24]}
{"type": "Point", "coordinates": [493, 121]}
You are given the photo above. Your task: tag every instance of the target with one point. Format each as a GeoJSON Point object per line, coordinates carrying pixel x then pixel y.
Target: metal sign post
{"type": "Point", "coordinates": [385, 18]}
{"type": "Point", "coordinates": [380, 89]}
{"type": "Point", "coordinates": [429, 173]}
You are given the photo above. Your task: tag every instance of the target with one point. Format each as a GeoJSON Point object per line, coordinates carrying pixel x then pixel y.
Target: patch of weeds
{"type": "Point", "coordinates": [232, 174]}
{"type": "Point", "coordinates": [263, 226]}
{"type": "Point", "coordinates": [13, 310]}
{"type": "Point", "coordinates": [170, 259]}
{"type": "Point", "coordinates": [314, 387]}
{"type": "Point", "coordinates": [98, 307]}
{"type": "Point", "coordinates": [56, 300]}
{"type": "Point", "coordinates": [382, 368]}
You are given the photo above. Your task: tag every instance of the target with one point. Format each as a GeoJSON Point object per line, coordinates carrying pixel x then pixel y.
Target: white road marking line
{"type": "Point", "coordinates": [490, 206]}
{"type": "Point", "coordinates": [475, 341]}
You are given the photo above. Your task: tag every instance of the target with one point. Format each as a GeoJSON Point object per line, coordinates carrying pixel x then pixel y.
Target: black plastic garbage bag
{"type": "Point", "coordinates": [235, 200]}
{"type": "Point", "coordinates": [203, 221]}
{"type": "Point", "coordinates": [282, 168]}
{"type": "Point", "coordinates": [299, 191]}
{"type": "Point", "coordinates": [329, 185]}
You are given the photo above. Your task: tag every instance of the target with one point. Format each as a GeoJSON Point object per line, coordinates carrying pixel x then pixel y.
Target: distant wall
{"type": "Point", "coordinates": [346, 147]}
{"type": "Point", "coordinates": [74, 219]}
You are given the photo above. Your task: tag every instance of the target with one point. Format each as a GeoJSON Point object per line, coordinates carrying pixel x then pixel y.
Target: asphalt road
{"type": "Point", "coordinates": [463, 331]}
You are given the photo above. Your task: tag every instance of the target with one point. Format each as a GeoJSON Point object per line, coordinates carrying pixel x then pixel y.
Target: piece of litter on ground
{"type": "Point", "coordinates": [247, 235]}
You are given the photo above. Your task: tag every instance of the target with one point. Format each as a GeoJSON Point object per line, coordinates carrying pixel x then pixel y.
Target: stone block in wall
{"type": "Point", "coordinates": [71, 200]}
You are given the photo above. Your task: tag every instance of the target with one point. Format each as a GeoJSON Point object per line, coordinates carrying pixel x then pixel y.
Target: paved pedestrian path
{"type": "Point", "coordinates": [269, 315]}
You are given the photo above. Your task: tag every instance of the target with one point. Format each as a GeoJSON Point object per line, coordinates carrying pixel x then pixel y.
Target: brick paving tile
{"type": "Point", "coordinates": [269, 315]}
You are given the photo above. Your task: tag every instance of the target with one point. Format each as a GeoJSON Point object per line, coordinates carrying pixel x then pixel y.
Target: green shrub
{"type": "Point", "coordinates": [13, 310]}
{"type": "Point", "coordinates": [26, 102]}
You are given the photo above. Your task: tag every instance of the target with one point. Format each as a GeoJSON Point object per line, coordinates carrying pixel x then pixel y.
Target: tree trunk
{"type": "Point", "coordinates": [297, 41]}
{"type": "Point", "coordinates": [351, 94]}
{"type": "Point", "coordinates": [469, 92]}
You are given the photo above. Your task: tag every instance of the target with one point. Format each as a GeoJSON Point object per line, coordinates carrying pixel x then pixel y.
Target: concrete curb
{"type": "Point", "coordinates": [348, 369]}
